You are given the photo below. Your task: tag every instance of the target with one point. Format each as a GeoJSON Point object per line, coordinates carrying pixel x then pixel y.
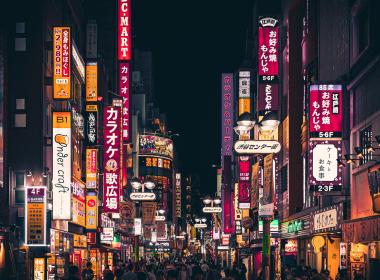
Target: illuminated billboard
{"type": "Point", "coordinates": [78, 203]}
{"type": "Point", "coordinates": [124, 35]}
{"type": "Point", "coordinates": [227, 114]}
{"type": "Point", "coordinates": [35, 215]}
{"type": "Point", "coordinates": [155, 145]}
{"type": "Point", "coordinates": [244, 183]}
{"type": "Point", "coordinates": [124, 92]}
{"type": "Point", "coordinates": [61, 62]}
{"type": "Point", "coordinates": [91, 82]}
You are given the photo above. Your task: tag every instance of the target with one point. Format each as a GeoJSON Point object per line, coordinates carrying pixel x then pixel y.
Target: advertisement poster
{"type": "Point", "coordinates": [91, 168]}
{"type": "Point", "coordinates": [91, 82]}
{"type": "Point", "coordinates": [91, 130]}
{"type": "Point", "coordinates": [156, 145]}
{"type": "Point", "coordinates": [35, 215]}
{"type": "Point", "coordinates": [112, 160]}
{"type": "Point", "coordinates": [325, 111]}
{"type": "Point", "coordinates": [61, 62]}
{"type": "Point", "coordinates": [124, 92]}
{"type": "Point", "coordinates": [244, 183]}
{"type": "Point", "coordinates": [61, 165]}
{"type": "Point", "coordinates": [124, 34]}
{"type": "Point", "coordinates": [91, 211]}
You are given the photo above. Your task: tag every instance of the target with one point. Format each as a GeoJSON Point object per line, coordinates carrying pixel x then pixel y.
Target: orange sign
{"type": "Point", "coordinates": [91, 211]}
{"type": "Point", "coordinates": [91, 82]}
{"type": "Point", "coordinates": [39, 269]}
{"type": "Point", "coordinates": [61, 62]}
{"type": "Point", "coordinates": [244, 105]}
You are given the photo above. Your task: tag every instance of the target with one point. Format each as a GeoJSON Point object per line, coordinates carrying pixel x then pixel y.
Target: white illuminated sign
{"type": "Point", "coordinates": [107, 234]}
{"type": "Point", "coordinates": [257, 147]}
{"type": "Point", "coordinates": [327, 219]}
{"type": "Point", "coordinates": [223, 247]}
{"type": "Point", "coordinates": [200, 225]}
{"type": "Point", "coordinates": [137, 226]}
{"type": "Point", "coordinates": [136, 196]}
{"type": "Point", "coordinates": [212, 209]}
{"type": "Point", "coordinates": [160, 218]}
{"type": "Point", "coordinates": [325, 164]}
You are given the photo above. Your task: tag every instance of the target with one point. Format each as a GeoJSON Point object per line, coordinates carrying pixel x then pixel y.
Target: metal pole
{"type": "Point", "coordinates": [266, 250]}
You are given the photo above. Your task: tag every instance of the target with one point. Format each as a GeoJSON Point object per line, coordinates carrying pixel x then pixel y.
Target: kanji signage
{"type": "Point", "coordinates": [329, 219]}
{"type": "Point", "coordinates": [325, 111]}
{"type": "Point", "coordinates": [268, 46]}
{"type": "Point", "coordinates": [124, 91]}
{"type": "Point", "coordinates": [112, 140]}
{"type": "Point", "coordinates": [79, 202]}
{"type": "Point", "coordinates": [61, 165]}
{"type": "Point", "coordinates": [268, 94]}
{"type": "Point", "coordinates": [124, 35]}
{"type": "Point", "coordinates": [257, 147]}
{"type": "Point", "coordinates": [39, 269]}
{"type": "Point", "coordinates": [244, 92]}
{"type": "Point", "coordinates": [91, 82]}
{"type": "Point", "coordinates": [91, 211]}
{"type": "Point", "coordinates": [35, 215]}
{"type": "Point", "coordinates": [244, 183]}
{"type": "Point", "coordinates": [325, 175]}
{"type": "Point", "coordinates": [178, 195]}
{"type": "Point", "coordinates": [155, 162]}
{"type": "Point", "coordinates": [91, 129]}
{"type": "Point", "coordinates": [142, 196]}
{"type": "Point", "coordinates": [91, 168]}
{"type": "Point", "coordinates": [107, 234]}
{"type": "Point", "coordinates": [61, 62]}
{"type": "Point", "coordinates": [227, 114]}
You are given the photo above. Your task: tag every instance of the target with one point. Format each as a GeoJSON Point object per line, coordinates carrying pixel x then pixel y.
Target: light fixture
{"type": "Point", "coordinates": [207, 200]}
{"type": "Point", "coordinates": [135, 183]}
{"type": "Point", "coordinates": [370, 149]}
{"type": "Point", "coordinates": [340, 163]}
{"type": "Point", "coordinates": [241, 130]}
{"type": "Point", "coordinates": [217, 200]}
{"type": "Point", "coordinates": [161, 211]}
{"type": "Point", "coordinates": [29, 173]}
{"type": "Point", "coordinates": [149, 184]}
{"type": "Point", "coordinates": [246, 119]}
{"type": "Point", "coordinates": [359, 152]}
{"type": "Point", "coordinates": [270, 119]}
{"type": "Point", "coordinates": [45, 172]}
{"type": "Point", "coordinates": [203, 220]}
{"type": "Point", "coordinates": [197, 220]}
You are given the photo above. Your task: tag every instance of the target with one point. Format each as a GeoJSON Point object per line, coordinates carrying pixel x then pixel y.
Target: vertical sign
{"type": "Point", "coordinates": [61, 63]}
{"type": "Point", "coordinates": [91, 211]}
{"type": "Point", "coordinates": [91, 168]}
{"type": "Point", "coordinates": [78, 203]}
{"type": "Point", "coordinates": [35, 215]}
{"type": "Point", "coordinates": [61, 165]}
{"type": "Point", "coordinates": [238, 211]}
{"type": "Point", "coordinates": [112, 135]}
{"type": "Point", "coordinates": [91, 82]}
{"type": "Point", "coordinates": [227, 114]}
{"type": "Point", "coordinates": [39, 269]}
{"type": "Point", "coordinates": [124, 91]}
{"type": "Point", "coordinates": [124, 35]}
{"type": "Point", "coordinates": [244, 92]}
{"type": "Point", "coordinates": [325, 111]}
{"type": "Point", "coordinates": [178, 195]}
{"type": "Point", "coordinates": [255, 186]}
{"type": "Point", "coordinates": [228, 209]}
{"type": "Point", "coordinates": [137, 226]}
{"type": "Point", "coordinates": [325, 175]}
{"type": "Point", "coordinates": [343, 255]}
{"type": "Point", "coordinates": [91, 124]}
{"type": "Point", "coordinates": [244, 183]}
{"type": "Point", "coordinates": [266, 204]}
{"type": "Point", "coordinates": [268, 65]}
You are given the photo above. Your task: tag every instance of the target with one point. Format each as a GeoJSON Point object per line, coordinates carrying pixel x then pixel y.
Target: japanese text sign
{"type": "Point", "coordinates": [124, 91]}
{"type": "Point", "coordinates": [112, 140]}
{"type": "Point", "coordinates": [78, 202]}
{"type": "Point", "coordinates": [124, 35]}
{"type": "Point", "coordinates": [257, 147]}
{"type": "Point", "coordinates": [91, 124]}
{"type": "Point", "coordinates": [35, 215]}
{"type": "Point", "coordinates": [268, 46]}
{"type": "Point", "coordinates": [325, 111]}
{"type": "Point", "coordinates": [325, 175]}
{"type": "Point", "coordinates": [227, 114]}
{"type": "Point", "coordinates": [91, 211]}
{"type": "Point", "coordinates": [61, 62]}
{"type": "Point", "coordinates": [92, 82]}
{"type": "Point", "coordinates": [91, 168]}
{"type": "Point", "coordinates": [244, 183]}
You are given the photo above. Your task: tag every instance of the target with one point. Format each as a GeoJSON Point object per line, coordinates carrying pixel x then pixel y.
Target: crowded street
{"type": "Point", "coordinates": [189, 140]}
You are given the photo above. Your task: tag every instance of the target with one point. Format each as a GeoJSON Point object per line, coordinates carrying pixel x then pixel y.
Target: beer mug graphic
{"type": "Point", "coordinates": [61, 139]}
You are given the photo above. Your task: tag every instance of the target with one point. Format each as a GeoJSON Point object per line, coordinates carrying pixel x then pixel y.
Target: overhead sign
{"type": "Point", "coordinates": [124, 91]}
{"type": "Point", "coordinates": [142, 196]}
{"type": "Point", "coordinates": [35, 215]}
{"type": "Point", "coordinates": [112, 159]}
{"type": "Point", "coordinates": [325, 175]}
{"type": "Point", "coordinates": [124, 34]}
{"type": "Point", "coordinates": [250, 147]}
{"type": "Point", "coordinates": [212, 209]}
{"type": "Point", "coordinates": [61, 62]}
{"type": "Point", "coordinates": [91, 82]}
{"type": "Point", "coordinates": [325, 111]}
{"type": "Point", "coordinates": [61, 165]}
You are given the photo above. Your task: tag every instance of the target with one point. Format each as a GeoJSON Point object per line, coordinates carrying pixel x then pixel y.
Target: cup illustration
{"type": "Point", "coordinates": [61, 139]}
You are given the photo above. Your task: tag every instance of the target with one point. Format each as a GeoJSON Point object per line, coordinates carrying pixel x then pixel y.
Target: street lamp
{"type": "Point", "coordinates": [212, 204]}
{"type": "Point", "coordinates": [139, 187]}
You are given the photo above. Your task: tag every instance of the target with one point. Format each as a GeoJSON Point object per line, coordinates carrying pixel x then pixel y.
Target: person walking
{"type": "Point", "coordinates": [88, 273]}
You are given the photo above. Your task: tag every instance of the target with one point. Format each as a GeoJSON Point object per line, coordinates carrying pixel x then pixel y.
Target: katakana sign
{"type": "Point", "coordinates": [257, 147]}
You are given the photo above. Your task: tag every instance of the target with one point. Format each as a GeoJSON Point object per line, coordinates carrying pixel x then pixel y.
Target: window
{"type": "Point", "coordinates": [19, 187]}
{"type": "Point", "coordinates": [20, 44]}
{"type": "Point", "coordinates": [365, 142]}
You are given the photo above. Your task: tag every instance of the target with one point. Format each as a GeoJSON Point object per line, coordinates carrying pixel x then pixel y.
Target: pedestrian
{"type": "Point", "coordinates": [74, 273]}
{"type": "Point", "coordinates": [88, 273]}
{"type": "Point", "coordinates": [129, 274]}
{"type": "Point", "coordinates": [160, 275]}
{"type": "Point", "coordinates": [150, 273]}
{"type": "Point", "coordinates": [107, 273]}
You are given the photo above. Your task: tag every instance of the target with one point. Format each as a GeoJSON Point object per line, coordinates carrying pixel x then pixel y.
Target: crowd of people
{"type": "Point", "coordinates": [194, 269]}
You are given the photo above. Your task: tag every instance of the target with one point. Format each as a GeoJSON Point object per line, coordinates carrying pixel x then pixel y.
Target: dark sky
{"type": "Point", "coordinates": [192, 43]}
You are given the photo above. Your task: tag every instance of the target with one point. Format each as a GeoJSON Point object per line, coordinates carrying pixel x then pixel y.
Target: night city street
{"type": "Point", "coordinates": [190, 140]}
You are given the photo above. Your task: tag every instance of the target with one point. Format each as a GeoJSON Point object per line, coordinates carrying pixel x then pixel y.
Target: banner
{"type": "Point", "coordinates": [91, 82]}
{"type": "Point", "coordinates": [79, 203]}
{"type": "Point", "coordinates": [35, 215]}
{"type": "Point", "coordinates": [325, 111]}
{"type": "Point", "coordinates": [91, 168]}
{"type": "Point", "coordinates": [91, 211]}
{"type": "Point", "coordinates": [155, 145]}
{"type": "Point", "coordinates": [244, 183]}
{"type": "Point", "coordinates": [91, 129]}
{"type": "Point", "coordinates": [124, 91]}
{"type": "Point", "coordinates": [227, 117]}
{"type": "Point", "coordinates": [178, 195]}
{"type": "Point", "coordinates": [325, 175]}
{"type": "Point", "coordinates": [255, 185]}
{"type": "Point", "coordinates": [61, 62]}
{"type": "Point", "coordinates": [124, 34]}
{"type": "Point", "coordinates": [61, 165]}
{"type": "Point", "coordinates": [112, 160]}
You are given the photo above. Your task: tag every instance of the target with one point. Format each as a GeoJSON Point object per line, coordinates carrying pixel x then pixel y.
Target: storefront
{"type": "Point", "coordinates": [295, 241]}
{"type": "Point", "coordinates": [326, 229]}
{"type": "Point", "coordinates": [362, 240]}
{"type": "Point", "coordinates": [79, 256]}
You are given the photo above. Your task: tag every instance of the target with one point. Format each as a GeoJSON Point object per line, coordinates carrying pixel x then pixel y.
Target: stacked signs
{"type": "Point", "coordinates": [268, 65]}
{"type": "Point", "coordinates": [244, 92]}
{"type": "Point", "coordinates": [244, 183]}
{"type": "Point", "coordinates": [35, 216]}
{"type": "Point", "coordinates": [124, 56]}
{"type": "Point", "coordinates": [227, 120]}
{"type": "Point", "coordinates": [178, 195]}
{"type": "Point", "coordinates": [325, 131]}
{"type": "Point", "coordinates": [112, 140]}
{"type": "Point", "coordinates": [62, 59]}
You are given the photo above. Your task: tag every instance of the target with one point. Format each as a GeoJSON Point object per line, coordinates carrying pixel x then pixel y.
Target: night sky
{"type": "Point", "coordinates": [192, 43]}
